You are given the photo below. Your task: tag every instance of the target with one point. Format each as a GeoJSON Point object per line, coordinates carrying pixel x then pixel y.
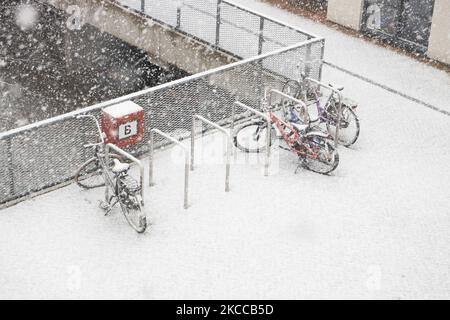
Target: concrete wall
{"type": "Point", "coordinates": [164, 45]}
{"type": "Point", "coordinates": [346, 12]}
{"type": "Point", "coordinates": [439, 43]}
{"type": "Point", "coordinates": [167, 46]}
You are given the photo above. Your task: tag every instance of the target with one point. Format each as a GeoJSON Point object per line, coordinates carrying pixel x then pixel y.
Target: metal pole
{"type": "Point", "coordinates": [233, 112]}
{"type": "Point", "coordinates": [10, 166]}
{"type": "Point", "coordinates": [268, 137]}
{"type": "Point", "coordinates": [143, 6]}
{"type": "Point", "coordinates": [322, 54]}
{"type": "Point", "coordinates": [105, 174]}
{"type": "Point", "coordinates": [227, 167]}
{"type": "Point", "coordinates": [186, 181]}
{"type": "Point", "coordinates": [260, 62]}
{"type": "Point", "coordinates": [218, 19]}
{"type": "Point", "coordinates": [308, 60]}
{"type": "Point", "coordinates": [338, 126]}
{"type": "Point", "coordinates": [192, 143]}
{"type": "Point", "coordinates": [150, 161]}
{"type": "Point", "coordinates": [179, 16]}
{"type": "Point", "coordinates": [261, 35]}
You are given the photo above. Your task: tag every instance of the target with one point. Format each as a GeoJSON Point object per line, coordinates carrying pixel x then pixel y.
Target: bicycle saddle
{"type": "Point", "coordinates": [340, 88]}
{"type": "Point", "coordinates": [120, 167]}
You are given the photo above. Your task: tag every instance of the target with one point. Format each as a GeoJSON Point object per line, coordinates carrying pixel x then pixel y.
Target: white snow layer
{"type": "Point", "coordinates": [379, 227]}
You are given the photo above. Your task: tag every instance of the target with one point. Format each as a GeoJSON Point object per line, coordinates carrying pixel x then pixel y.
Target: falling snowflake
{"type": "Point", "coordinates": [26, 16]}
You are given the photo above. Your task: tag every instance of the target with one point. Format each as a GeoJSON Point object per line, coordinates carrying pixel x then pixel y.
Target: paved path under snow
{"type": "Point", "coordinates": [378, 228]}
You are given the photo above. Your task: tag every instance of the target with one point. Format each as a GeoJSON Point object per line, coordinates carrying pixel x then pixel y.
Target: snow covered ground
{"type": "Point", "coordinates": [377, 228]}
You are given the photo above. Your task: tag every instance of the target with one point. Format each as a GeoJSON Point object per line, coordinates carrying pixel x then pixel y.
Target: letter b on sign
{"type": "Point", "coordinates": [128, 129]}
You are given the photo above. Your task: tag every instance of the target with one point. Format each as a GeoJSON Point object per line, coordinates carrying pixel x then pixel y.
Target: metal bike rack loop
{"type": "Point", "coordinates": [229, 146]}
{"type": "Point", "coordinates": [338, 125]}
{"type": "Point", "coordinates": [269, 125]}
{"type": "Point", "coordinates": [186, 166]}
{"type": "Point", "coordinates": [272, 92]}
{"type": "Point", "coordinates": [133, 159]}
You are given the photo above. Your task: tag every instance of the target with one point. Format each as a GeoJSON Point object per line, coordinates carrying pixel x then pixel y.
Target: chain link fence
{"type": "Point", "coordinates": [48, 153]}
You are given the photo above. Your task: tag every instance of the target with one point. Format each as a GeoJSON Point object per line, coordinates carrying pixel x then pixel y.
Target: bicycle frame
{"type": "Point", "coordinates": [293, 138]}
{"type": "Point", "coordinates": [324, 117]}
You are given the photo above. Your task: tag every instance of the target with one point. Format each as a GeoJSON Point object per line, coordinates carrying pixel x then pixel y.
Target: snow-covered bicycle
{"type": "Point", "coordinates": [110, 171]}
{"type": "Point", "coordinates": [314, 149]}
{"type": "Point", "coordinates": [327, 112]}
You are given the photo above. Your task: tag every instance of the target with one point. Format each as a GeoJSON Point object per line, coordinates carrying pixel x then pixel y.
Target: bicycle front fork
{"type": "Point", "coordinates": [109, 205]}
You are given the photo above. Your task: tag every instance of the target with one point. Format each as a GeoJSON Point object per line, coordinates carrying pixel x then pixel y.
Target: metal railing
{"type": "Point", "coordinates": [266, 118]}
{"type": "Point", "coordinates": [46, 154]}
{"type": "Point", "coordinates": [222, 24]}
{"type": "Point", "coordinates": [272, 92]}
{"type": "Point", "coordinates": [186, 165]}
{"type": "Point", "coordinates": [228, 151]}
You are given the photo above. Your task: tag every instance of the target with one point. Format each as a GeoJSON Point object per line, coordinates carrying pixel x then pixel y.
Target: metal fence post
{"type": "Point", "coordinates": [261, 35]}
{"type": "Point", "coordinates": [322, 54]}
{"type": "Point", "coordinates": [219, 2]}
{"type": "Point", "coordinates": [143, 6]}
{"type": "Point", "coordinates": [12, 188]}
{"type": "Point", "coordinates": [308, 60]}
{"type": "Point", "coordinates": [186, 182]}
{"type": "Point", "coordinates": [179, 15]}
{"type": "Point", "coordinates": [260, 63]}
{"type": "Point", "coordinates": [150, 160]}
{"type": "Point", "coordinates": [192, 143]}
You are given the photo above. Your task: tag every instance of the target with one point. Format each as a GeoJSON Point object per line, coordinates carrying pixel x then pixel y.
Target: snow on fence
{"type": "Point", "coordinates": [46, 154]}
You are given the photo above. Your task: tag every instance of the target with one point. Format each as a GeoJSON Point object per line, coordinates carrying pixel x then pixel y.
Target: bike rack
{"type": "Point", "coordinates": [229, 146]}
{"type": "Point", "coordinates": [133, 159]}
{"type": "Point", "coordinates": [269, 125]}
{"type": "Point", "coordinates": [284, 95]}
{"type": "Point", "coordinates": [339, 108]}
{"type": "Point", "coordinates": [186, 167]}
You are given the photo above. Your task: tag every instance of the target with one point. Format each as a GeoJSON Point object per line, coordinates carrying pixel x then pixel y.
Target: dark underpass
{"type": "Point", "coordinates": [48, 68]}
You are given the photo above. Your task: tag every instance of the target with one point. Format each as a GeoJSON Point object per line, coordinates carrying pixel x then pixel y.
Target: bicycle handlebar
{"type": "Point", "coordinates": [81, 116]}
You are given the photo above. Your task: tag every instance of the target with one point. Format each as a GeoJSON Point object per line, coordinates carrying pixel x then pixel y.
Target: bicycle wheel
{"type": "Point", "coordinates": [132, 210]}
{"type": "Point", "coordinates": [251, 137]}
{"type": "Point", "coordinates": [90, 174]}
{"type": "Point", "coordinates": [324, 159]}
{"type": "Point", "coordinates": [349, 127]}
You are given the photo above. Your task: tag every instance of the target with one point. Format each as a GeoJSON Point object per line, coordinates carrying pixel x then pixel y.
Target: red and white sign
{"type": "Point", "coordinates": [123, 123]}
